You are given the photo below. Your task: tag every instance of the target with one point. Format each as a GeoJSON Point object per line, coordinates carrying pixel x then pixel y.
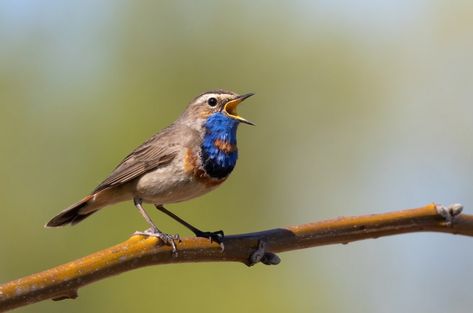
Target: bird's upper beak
{"type": "Point", "coordinates": [231, 105]}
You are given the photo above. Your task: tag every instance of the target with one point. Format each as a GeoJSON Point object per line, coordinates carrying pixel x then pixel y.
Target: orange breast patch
{"type": "Point", "coordinates": [191, 167]}
{"type": "Point", "coordinates": [224, 146]}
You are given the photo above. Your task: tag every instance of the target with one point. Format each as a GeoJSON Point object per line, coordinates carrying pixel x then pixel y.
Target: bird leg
{"type": "Point", "coordinates": [153, 230]}
{"type": "Point", "coordinates": [216, 236]}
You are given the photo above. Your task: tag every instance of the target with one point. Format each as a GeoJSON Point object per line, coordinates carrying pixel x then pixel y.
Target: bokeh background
{"type": "Point", "coordinates": [360, 106]}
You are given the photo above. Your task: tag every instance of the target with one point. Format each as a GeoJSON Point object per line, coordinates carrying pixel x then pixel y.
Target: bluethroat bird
{"type": "Point", "coordinates": [189, 158]}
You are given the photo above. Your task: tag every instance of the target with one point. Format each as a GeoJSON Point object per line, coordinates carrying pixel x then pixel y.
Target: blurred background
{"type": "Point", "coordinates": [361, 107]}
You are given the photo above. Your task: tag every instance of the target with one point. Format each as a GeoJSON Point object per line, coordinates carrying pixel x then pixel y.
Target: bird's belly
{"type": "Point", "coordinates": [170, 184]}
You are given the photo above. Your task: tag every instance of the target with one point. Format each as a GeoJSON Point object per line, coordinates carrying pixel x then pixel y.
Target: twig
{"type": "Point", "coordinates": [63, 281]}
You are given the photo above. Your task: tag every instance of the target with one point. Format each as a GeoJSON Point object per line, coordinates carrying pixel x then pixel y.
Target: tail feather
{"type": "Point", "coordinates": [73, 214]}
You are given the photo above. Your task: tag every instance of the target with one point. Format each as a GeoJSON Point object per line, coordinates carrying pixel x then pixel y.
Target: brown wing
{"type": "Point", "coordinates": [159, 150]}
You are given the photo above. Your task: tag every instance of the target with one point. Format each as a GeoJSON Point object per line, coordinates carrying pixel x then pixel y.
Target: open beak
{"type": "Point", "coordinates": [231, 105]}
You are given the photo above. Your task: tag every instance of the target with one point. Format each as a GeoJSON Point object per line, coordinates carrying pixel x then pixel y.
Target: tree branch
{"type": "Point", "coordinates": [63, 281]}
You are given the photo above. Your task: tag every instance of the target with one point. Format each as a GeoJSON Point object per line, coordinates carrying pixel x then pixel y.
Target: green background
{"type": "Point", "coordinates": [360, 106]}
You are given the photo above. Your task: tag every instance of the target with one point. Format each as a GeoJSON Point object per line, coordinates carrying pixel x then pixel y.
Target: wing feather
{"type": "Point", "coordinates": [158, 151]}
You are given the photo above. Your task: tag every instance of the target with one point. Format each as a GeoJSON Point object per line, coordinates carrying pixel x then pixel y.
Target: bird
{"type": "Point", "coordinates": [189, 158]}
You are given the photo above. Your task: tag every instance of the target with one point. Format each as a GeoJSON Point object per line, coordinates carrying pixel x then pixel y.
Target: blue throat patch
{"type": "Point", "coordinates": [218, 160]}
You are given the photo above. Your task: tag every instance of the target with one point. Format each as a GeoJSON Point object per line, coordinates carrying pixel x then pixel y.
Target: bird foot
{"type": "Point", "coordinates": [167, 239]}
{"type": "Point", "coordinates": [215, 236]}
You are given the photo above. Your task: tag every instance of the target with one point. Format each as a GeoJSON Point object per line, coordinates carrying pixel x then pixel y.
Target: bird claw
{"type": "Point", "coordinates": [215, 236]}
{"type": "Point", "coordinates": [167, 239]}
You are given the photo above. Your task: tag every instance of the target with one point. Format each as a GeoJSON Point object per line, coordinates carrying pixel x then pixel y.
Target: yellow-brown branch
{"type": "Point", "coordinates": [63, 281]}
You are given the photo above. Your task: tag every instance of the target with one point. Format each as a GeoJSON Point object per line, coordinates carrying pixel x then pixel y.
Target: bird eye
{"type": "Point", "coordinates": [212, 102]}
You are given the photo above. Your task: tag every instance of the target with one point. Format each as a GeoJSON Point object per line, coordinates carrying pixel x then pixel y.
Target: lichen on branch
{"type": "Point", "coordinates": [63, 281]}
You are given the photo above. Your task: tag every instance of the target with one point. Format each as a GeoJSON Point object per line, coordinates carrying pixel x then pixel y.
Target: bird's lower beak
{"type": "Point", "coordinates": [230, 108]}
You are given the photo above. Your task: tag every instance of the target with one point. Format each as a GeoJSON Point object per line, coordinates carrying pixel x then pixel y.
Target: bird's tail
{"type": "Point", "coordinates": [75, 213]}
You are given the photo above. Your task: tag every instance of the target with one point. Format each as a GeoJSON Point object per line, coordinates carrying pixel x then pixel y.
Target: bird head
{"type": "Point", "coordinates": [211, 102]}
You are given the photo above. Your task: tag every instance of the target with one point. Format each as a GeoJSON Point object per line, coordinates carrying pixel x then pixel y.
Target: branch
{"type": "Point", "coordinates": [63, 281]}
